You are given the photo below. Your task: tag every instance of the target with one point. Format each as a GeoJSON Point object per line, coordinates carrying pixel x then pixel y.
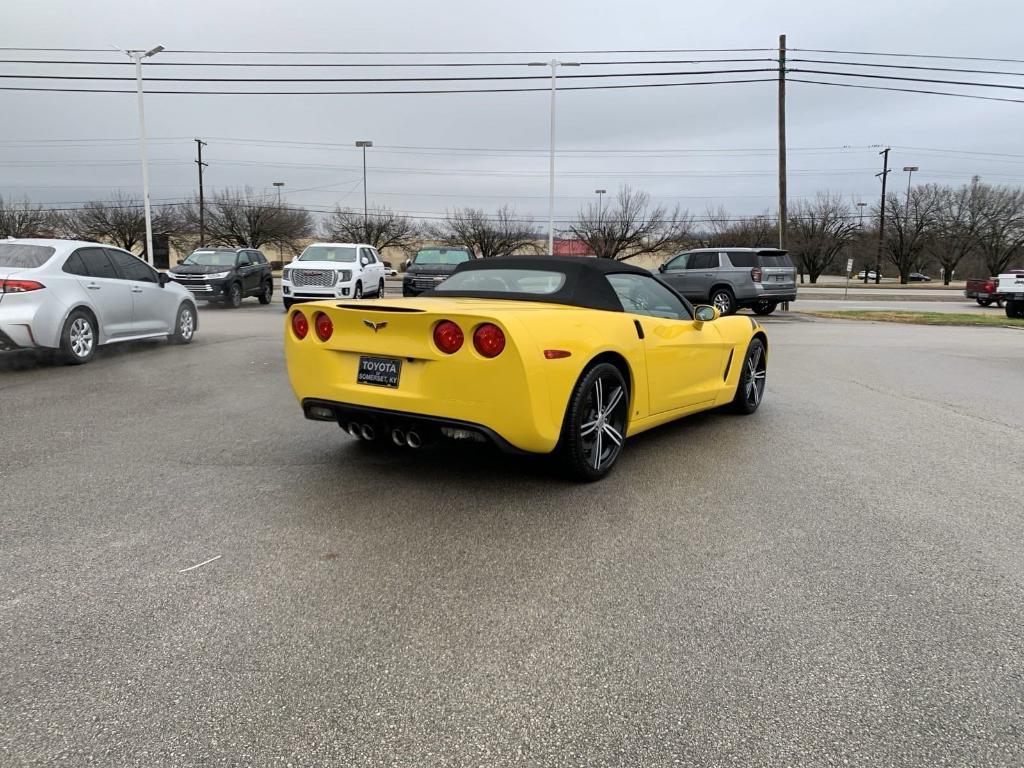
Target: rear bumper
{"type": "Point", "coordinates": [28, 323]}
{"type": "Point", "coordinates": [385, 420]}
{"type": "Point", "coordinates": [776, 296]}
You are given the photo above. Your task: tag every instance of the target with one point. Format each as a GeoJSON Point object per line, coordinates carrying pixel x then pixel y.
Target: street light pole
{"type": "Point", "coordinates": [554, 64]}
{"type": "Point", "coordinates": [861, 205]}
{"type": "Point", "coordinates": [600, 200]}
{"type": "Point", "coordinates": [137, 57]}
{"type": "Point", "coordinates": [909, 170]}
{"type": "Point", "coordinates": [278, 184]}
{"type": "Point", "coordinates": [366, 209]}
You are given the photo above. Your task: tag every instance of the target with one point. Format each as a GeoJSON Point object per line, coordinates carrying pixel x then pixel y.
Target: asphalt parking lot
{"type": "Point", "coordinates": [836, 580]}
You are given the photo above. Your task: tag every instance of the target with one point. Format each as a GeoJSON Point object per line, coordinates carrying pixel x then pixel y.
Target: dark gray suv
{"type": "Point", "coordinates": [732, 278]}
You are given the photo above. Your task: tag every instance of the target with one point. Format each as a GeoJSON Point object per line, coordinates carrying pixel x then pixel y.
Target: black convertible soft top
{"type": "Point", "coordinates": [585, 284]}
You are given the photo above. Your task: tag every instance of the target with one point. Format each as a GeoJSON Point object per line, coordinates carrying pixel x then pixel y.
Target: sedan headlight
{"type": "Point", "coordinates": [217, 275]}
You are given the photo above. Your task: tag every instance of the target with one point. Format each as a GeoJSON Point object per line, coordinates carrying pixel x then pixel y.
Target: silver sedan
{"type": "Point", "coordinates": [73, 296]}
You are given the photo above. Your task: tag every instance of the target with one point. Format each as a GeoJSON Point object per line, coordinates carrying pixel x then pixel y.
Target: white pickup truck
{"type": "Point", "coordinates": [1011, 286]}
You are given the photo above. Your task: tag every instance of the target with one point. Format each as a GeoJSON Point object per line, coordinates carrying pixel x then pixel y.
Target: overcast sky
{"type": "Point", "coordinates": [680, 123]}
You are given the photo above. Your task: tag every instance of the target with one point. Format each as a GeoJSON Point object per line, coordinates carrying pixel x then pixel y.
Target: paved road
{"type": "Point", "coordinates": [837, 580]}
{"type": "Point", "coordinates": [956, 307]}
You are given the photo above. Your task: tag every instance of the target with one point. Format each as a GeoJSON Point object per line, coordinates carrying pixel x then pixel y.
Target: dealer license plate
{"type": "Point", "coordinates": [379, 371]}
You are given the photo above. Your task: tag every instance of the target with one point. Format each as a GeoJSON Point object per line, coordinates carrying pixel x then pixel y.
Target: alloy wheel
{"type": "Point", "coordinates": [81, 337]}
{"type": "Point", "coordinates": [723, 302]}
{"type": "Point", "coordinates": [602, 431]}
{"type": "Point", "coordinates": [757, 372]}
{"type": "Point", "coordinates": [186, 324]}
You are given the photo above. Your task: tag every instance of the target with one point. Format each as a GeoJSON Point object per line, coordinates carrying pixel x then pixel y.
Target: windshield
{"type": "Point", "coordinates": [441, 256]}
{"type": "Point", "coordinates": [211, 258]}
{"type": "Point", "coordinates": [536, 281]}
{"type": "Point", "coordinates": [24, 256]}
{"type": "Point", "coordinates": [343, 253]}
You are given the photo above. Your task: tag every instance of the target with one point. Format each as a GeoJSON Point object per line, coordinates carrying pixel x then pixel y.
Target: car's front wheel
{"type": "Point", "coordinates": [750, 390]}
{"type": "Point", "coordinates": [1014, 308]}
{"type": "Point", "coordinates": [78, 339]}
{"type": "Point", "coordinates": [764, 307]}
{"type": "Point", "coordinates": [595, 423]}
{"type": "Point", "coordinates": [234, 297]}
{"type": "Point", "coordinates": [380, 289]}
{"type": "Point", "coordinates": [357, 292]}
{"type": "Point", "coordinates": [184, 325]}
{"type": "Point", "coordinates": [723, 299]}
{"type": "Point", "coordinates": [287, 304]}
{"type": "Point", "coordinates": [267, 293]}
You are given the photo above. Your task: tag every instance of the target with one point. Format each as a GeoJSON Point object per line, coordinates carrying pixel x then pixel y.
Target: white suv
{"type": "Point", "coordinates": [333, 270]}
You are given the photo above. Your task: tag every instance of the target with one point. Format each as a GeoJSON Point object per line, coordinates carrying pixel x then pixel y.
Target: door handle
{"type": "Point", "coordinates": [93, 287]}
{"type": "Point", "coordinates": [709, 274]}
{"type": "Point", "coordinates": [136, 290]}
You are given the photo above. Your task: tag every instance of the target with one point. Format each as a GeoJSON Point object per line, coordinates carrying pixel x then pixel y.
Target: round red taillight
{"type": "Point", "coordinates": [448, 337]}
{"type": "Point", "coordinates": [489, 340]}
{"type": "Point", "coordinates": [324, 326]}
{"type": "Point", "coordinates": [300, 325]}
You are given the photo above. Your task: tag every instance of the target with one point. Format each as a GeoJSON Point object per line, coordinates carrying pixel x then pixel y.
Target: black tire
{"type": "Point", "coordinates": [755, 365]}
{"type": "Point", "coordinates": [267, 292]}
{"type": "Point", "coordinates": [984, 302]}
{"type": "Point", "coordinates": [234, 296]}
{"type": "Point", "coordinates": [79, 338]}
{"type": "Point", "coordinates": [380, 289]}
{"type": "Point", "coordinates": [722, 298]}
{"type": "Point", "coordinates": [185, 325]}
{"type": "Point", "coordinates": [1014, 308]}
{"type": "Point", "coordinates": [287, 304]}
{"type": "Point", "coordinates": [586, 431]}
{"type": "Point", "coordinates": [764, 307]}
{"type": "Point", "coordinates": [357, 292]}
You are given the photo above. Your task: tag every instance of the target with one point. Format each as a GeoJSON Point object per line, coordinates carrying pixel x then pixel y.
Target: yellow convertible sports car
{"type": "Point", "coordinates": [533, 354]}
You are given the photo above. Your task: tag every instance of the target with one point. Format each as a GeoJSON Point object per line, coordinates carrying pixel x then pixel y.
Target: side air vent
{"type": "Point", "coordinates": [728, 366]}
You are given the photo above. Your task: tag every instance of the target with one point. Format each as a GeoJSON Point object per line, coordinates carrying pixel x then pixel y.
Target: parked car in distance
{"type": "Point", "coordinates": [917, 277]}
{"type": "Point", "coordinates": [225, 275]}
{"type": "Point", "coordinates": [985, 291]}
{"type": "Point", "coordinates": [871, 275]}
{"type": "Point", "coordinates": [73, 296]}
{"type": "Point", "coordinates": [732, 278]}
{"type": "Point", "coordinates": [1011, 288]}
{"type": "Point", "coordinates": [430, 266]}
{"type": "Point", "coordinates": [333, 270]}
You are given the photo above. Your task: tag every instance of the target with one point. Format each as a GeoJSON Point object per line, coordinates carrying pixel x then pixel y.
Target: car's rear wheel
{"type": "Point", "coordinates": [595, 423]}
{"type": "Point", "coordinates": [267, 293]}
{"type": "Point", "coordinates": [78, 339]}
{"type": "Point", "coordinates": [234, 297]}
{"type": "Point", "coordinates": [765, 307]}
{"type": "Point", "coordinates": [724, 300]}
{"type": "Point", "coordinates": [380, 289]}
{"type": "Point", "coordinates": [357, 293]}
{"type": "Point", "coordinates": [184, 325]}
{"type": "Point", "coordinates": [750, 390]}
{"type": "Point", "coordinates": [984, 302]}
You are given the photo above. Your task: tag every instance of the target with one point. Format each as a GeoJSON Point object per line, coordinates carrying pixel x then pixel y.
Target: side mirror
{"type": "Point", "coordinates": [163, 278]}
{"type": "Point", "coordinates": [661, 268]}
{"type": "Point", "coordinates": [408, 263]}
{"type": "Point", "coordinates": [705, 314]}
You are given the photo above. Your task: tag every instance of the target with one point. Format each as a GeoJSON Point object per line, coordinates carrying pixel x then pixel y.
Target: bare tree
{"type": "Point", "coordinates": [818, 231]}
{"type": "Point", "coordinates": [499, 235]}
{"type": "Point", "coordinates": [242, 219]}
{"type": "Point", "coordinates": [908, 227]}
{"type": "Point", "coordinates": [957, 219]}
{"type": "Point", "coordinates": [1000, 233]}
{"type": "Point", "coordinates": [723, 230]}
{"type": "Point", "coordinates": [383, 228]}
{"type": "Point", "coordinates": [630, 226]}
{"type": "Point", "coordinates": [21, 218]}
{"type": "Point", "coordinates": [120, 221]}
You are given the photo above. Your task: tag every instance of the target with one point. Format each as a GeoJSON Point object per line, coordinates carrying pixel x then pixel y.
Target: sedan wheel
{"type": "Point", "coordinates": [78, 340]}
{"type": "Point", "coordinates": [595, 427]}
{"type": "Point", "coordinates": [184, 326]}
{"type": "Point", "coordinates": [753, 376]}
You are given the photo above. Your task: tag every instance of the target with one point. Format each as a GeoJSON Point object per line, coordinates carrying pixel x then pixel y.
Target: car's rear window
{"type": "Point", "coordinates": [24, 256]}
{"type": "Point", "coordinates": [511, 281]}
{"type": "Point", "coordinates": [441, 256]}
{"type": "Point", "coordinates": [775, 260]}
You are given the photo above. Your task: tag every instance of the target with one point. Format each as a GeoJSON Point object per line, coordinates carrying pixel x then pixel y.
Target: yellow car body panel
{"type": "Point", "coordinates": [677, 368]}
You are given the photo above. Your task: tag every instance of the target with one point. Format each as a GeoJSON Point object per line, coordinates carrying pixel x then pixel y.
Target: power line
{"type": "Point", "coordinates": [900, 66]}
{"type": "Point", "coordinates": [908, 79]}
{"type": "Point", "coordinates": [463, 78]}
{"type": "Point", "coordinates": [368, 65]}
{"type": "Point", "coordinates": [904, 90]}
{"type": "Point", "coordinates": [393, 92]}
{"type": "Point", "coordinates": [910, 55]}
{"type": "Point", "coordinates": [401, 53]}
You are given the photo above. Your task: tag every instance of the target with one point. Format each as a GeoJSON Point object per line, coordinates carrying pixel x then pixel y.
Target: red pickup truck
{"type": "Point", "coordinates": [984, 291]}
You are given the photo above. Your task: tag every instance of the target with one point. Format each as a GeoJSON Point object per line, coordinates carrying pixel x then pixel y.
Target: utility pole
{"type": "Point", "coordinates": [366, 209]}
{"type": "Point", "coordinates": [783, 214]}
{"type": "Point", "coordinates": [881, 219]}
{"type": "Point", "coordinates": [202, 209]}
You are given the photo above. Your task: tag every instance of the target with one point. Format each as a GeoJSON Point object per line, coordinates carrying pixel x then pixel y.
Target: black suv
{"type": "Point", "coordinates": [430, 266]}
{"type": "Point", "coordinates": [225, 274]}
